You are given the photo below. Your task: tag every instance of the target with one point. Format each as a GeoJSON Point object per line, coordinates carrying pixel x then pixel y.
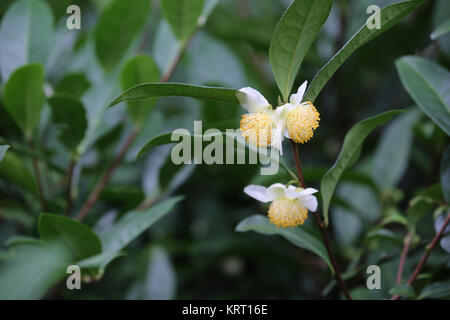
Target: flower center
{"type": "Point", "coordinates": [302, 121]}
{"type": "Point", "coordinates": [256, 128]}
{"type": "Point", "coordinates": [286, 212]}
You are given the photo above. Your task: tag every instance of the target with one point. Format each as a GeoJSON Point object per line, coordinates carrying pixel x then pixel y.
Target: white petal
{"type": "Point", "coordinates": [257, 192]}
{"type": "Point", "coordinates": [297, 98]}
{"type": "Point", "coordinates": [310, 202]}
{"type": "Point", "coordinates": [308, 191]}
{"type": "Point", "coordinates": [278, 137]}
{"type": "Point", "coordinates": [275, 191]}
{"type": "Point", "coordinates": [286, 134]}
{"type": "Point", "coordinates": [251, 100]}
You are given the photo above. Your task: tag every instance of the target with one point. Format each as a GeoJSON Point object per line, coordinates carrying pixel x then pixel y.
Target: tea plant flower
{"type": "Point", "coordinates": [297, 120]}
{"type": "Point", "coordinates": [290, 205]}
{"type": "Point", "coordinates": [257, 125]}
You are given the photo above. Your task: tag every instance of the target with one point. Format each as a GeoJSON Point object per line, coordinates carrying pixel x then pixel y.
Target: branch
{"type": "Point", "coordinates": [425, 256]}
{"type": "Point", "coordinates": [322, 228]}
{"type": "Point", "coordinates": [406, 245]}
{"type": "Point", "coordinates": [37, 173]}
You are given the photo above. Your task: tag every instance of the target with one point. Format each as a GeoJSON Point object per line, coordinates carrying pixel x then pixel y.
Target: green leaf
{"type": "Point", "coordinates": [158, 89]}
{"type": "Point", "coordinates": [97, 264]}
{"type": "Point", "coordinates": [297, 236]}
{"type": "Point", "coordinates": [390, 16]}
{"type": "Point", "coordinates": [404, 290]}
{"type": "Point", "coordinates": [423, 203]}
{"type": "Point", "coordinates": [436, 290]}
{"type": "Point", "coordinates": [445, 174]}
{"type": "Point", "coordinates": [117, 27]}
{"type": "Point", "coordinates": [3, 149]}
{"type": "Point", "coordinates": [138, 70]}
{"type": "Point", "coordinates": [23, 97]}
{"type": "Point", "coordinates": [74, 84]}
{"type": "Point", "coordinates": [429, 86]}
{"type": "Point", "coordinates": [182, 16]}
{"type": "Point", "coordinates": [69, 113]}
{"type": "Point", "coordinates": [392, 153]}
{"type": "Point", "coordinates": [441, 30]}
{"type": "Point", "coordinates": [77, 237]}
{"type": "Point", "coordinates": [133, 224]}
{"type": "Point", "coordinates": [13, 169]}
{"type": "Point", "coordinates": [350, 149]}
{"type": "Point", "coordinates": [293, 36]}
{"type": "Point", "coordinates": [26, 35]}
{"type": "Point", "coordinates": [160, 140]}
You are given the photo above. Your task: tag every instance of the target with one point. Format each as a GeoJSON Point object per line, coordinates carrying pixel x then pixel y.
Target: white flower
{"type": "Point", "coordinates": [290, 205]}
{"type": "Point", "coordinates": [296, 120]}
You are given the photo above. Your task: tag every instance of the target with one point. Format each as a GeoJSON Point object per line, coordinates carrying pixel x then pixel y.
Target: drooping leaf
{"type": "Point", "coordinates": [297, 236]}
{"type": "Point", "coordinates": [429, 86]}
{"type": "Point", "coordinates": [26, 33]}
{"type": "Point", "coordinates": [157, 90]}
{"type": "Point", "coordinates": [133, 224]}
{"type": "Point", "coordinates": [23, 97]}
{"type": "Point", "coordinates": [3, 149]}
{"type": "Point", "coordinates": [77, 237]}
{"type": "Point", "coordinates": [392, 154]}
{"type": "Point", "coordinates": [436, 290]}
{"type": "Point", "coordinates": [389, 15]}
{"type": "Point", "coordinates": [117, 27]}
{"type": "Point", "coordinates": [445, 174]}
{"type": "Point", "coordinates": [441, 30]}
{"type": "Point", "coordinates": [13, 169]}
{"type": "Point", "coordinates": [349, 153]}
{"type": "Point", "coordinates": [69, 113]}
{"type": "Point", "coordinates": [138, 70]}
{"type": "Point", "coordinates": [293, 36]}
{"type": "Point", "coordinates": [182, 16]}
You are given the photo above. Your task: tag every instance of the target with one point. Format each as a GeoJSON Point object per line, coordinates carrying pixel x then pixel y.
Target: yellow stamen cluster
{"type": "Point", "coordinates": [256, 128]}
{"type": "Point", "coordinates": [286, 212]}
{"type": "Point", "coordinates": [302, 121]}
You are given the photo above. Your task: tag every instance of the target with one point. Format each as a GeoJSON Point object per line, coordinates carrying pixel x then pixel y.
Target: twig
{"type": "Point", "coordinates": [69, 186]}
{"type": "Point", "coordinates": [37, 173]}
{"type": "Point", "coordinates": [322, 228]}
{"type": "Point", "coordinates": [401, 264]}
{"type": "Point", "coordinates": [425, 256]}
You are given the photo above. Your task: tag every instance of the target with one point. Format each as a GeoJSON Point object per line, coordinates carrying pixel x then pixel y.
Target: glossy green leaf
{"type": "Point", "coordinates": [158, 89]}
{"type": "Point", "coordinates": [68, 112]}
{"type": "Point", "coordinates": [77, 237]}
{"type": "Point", "coordinates": [97, 264]}
{"type": "Point", "coordinates": [138, 70]}
{"type": "Point", "coordinates": [117, 27]}
{"type": "Point", "coordinates": [26, 33]}
{"type": "Point", "coordinates": [160, 140]}
{"type": "Point", "coordinates": [133, 224]}
{"type": "Point", "coordinates": [445, 174]}
{"type": "Point", "coordinates": [14, 170]}
{"type": "Point", "coordinates": [429, 85]}
{"type": "Point", "coordinates": [74, 84]}
{"type": "Point", "coordinates": [351, 147]}
{"type": "Point", "coordinates": [23, 97]}
{"type": "Point", "coordinates": [436, 290]}
{"type": "Point", "coordinates": [297, 236]}
{"type": "Point", "coordinates": [182, 16]}
{"type": "Point", "coordinates": [293, 36]}
{"type": "Point", "coordinates": [390, 16]}
{"type": "Point", "coordinates": [441, 30]}
{"type": "Point", "coordinates": [391, 156]}
{"type": "Point", "coordinates": [3, 149]}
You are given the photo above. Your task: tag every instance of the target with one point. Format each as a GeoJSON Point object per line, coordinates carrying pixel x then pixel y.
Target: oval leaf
{"type": "Point", "coordinates": [429, 86]}
{"type": "Point", "coordinates": [159, 89]}
{"type": "Point", "coordinates": [117, 28]}
{"type": "Point", "coordinates": [390, 16]}
{"type": "Point", "coordinates": [139, 69]}
{"type": "Point", "coordinates": [349, 154]}
{"type": "Point", "coordinates": [26, 33]}
{"type": "Point", "coordinates": [70, 114]}
{"type": "Point", "coordinates": [133, 223]}
{"type": "Point", "coordinates": [24, 97]}
{"type": "Point", "coordinates": [297, 236]}
{"type": "Point", "coordinates": [293, 36]}
{"type": "Point", "coordinates": [78, 238]}
{"type": "Point", "coordinates": [182, 16]}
